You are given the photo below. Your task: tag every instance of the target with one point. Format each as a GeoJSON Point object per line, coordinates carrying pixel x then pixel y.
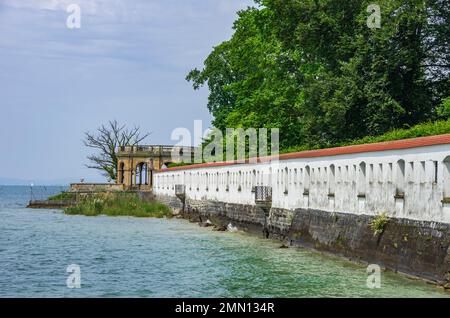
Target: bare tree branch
{"type": "Point", "coordinates": [106, 140]}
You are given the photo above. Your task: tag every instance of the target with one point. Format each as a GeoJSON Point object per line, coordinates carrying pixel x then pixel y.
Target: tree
{"type": "Point", "coordinates": [316, 71]}
{"type": "Point", "coordinates": [107, 139]}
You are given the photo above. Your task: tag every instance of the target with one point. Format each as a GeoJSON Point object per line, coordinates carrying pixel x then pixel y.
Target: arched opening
{"type": "Point", "coordinates": [137, 174]}
{"type": "Point", "coordinates": [141, 175]}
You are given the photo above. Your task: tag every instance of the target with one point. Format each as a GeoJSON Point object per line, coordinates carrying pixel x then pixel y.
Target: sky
{"type": "Point", "coordinates": [128, 61]}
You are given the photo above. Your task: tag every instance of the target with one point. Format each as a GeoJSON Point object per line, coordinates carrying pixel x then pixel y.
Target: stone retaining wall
{"type": "Point", "coordinates": [418, 248]}
{"type": "Point", "coordinates": [95, 187]}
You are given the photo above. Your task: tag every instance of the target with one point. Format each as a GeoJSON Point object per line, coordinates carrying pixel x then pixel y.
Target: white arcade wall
{"type": "Point", "coordinates": [406, 179]}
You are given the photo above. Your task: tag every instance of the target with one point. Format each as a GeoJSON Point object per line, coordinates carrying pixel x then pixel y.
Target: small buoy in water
{"type": "Point", "coordinates": [232, 228]}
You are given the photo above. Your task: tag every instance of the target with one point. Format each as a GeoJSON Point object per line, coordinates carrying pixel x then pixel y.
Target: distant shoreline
{"type": "Point", "coordinates": [34, 185]}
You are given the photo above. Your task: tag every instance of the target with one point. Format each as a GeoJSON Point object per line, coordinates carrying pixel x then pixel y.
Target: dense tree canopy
{"type": "Point", "coordinates": [314, 69]}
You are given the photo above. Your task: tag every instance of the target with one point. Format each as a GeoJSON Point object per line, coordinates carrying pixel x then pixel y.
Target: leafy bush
{"type": "Point", "coordinates": [379, 223]}
{"type": "Point", "coordinates": [444, 109]}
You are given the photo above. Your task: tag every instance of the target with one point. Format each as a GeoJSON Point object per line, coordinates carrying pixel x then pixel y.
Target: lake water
{"type": "Point", "coordinates": [130, 257]}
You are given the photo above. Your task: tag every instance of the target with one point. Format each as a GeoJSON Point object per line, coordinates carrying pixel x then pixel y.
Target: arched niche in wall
{"type": "Point", "coordinates": [269, 177]}
{"type": "Point", "coordinates": [198, 181]}
{"type": "Point", "coordinates": [331, 180]}
{"type": "Point", "coordinates": [446, 181]}
{"type": "Point", "coordinates": [254, 179]}
{"type": "Point", "coordinates": [286, 180]}
{"type": "Point", "coordinates": [295, 177]}
{"type": "Point", "coordinates": [400, 178]}
{"type": "Point", "coordinates": [362, 179]}
{"type": "Point", "coordinates": [306, 180]}
{"type": "Point", "coordinates": [217, 181]}
{"type": "Point", "coordinates": [247, 179]}
{"type": "Point", "coordinates": [239, 181]}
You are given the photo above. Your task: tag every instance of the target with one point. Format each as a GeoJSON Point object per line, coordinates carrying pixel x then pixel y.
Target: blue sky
{"type": "Point", "coordinates": [127, 62]}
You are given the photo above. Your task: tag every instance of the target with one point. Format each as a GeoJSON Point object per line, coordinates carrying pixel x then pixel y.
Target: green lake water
{"type": "Point", "coordinates": [121, 257]}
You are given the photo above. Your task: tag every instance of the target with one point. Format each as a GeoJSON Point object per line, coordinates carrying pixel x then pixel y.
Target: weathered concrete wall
{"type": "Point", "coordinates": [405, 183]}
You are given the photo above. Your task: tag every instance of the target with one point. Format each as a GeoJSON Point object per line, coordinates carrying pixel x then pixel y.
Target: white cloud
{"type": "Point", "coordinates": [128, 61]}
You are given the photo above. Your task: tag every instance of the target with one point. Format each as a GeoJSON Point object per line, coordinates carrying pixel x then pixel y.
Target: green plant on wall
{"type": "Point", "coordinates": [379, 223]}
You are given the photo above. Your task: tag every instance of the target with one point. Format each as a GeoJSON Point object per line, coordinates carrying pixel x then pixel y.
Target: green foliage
{"type": "Point", "coordinates": [420, 130]}
{"type": "Point", "coordinates": [438, 127]}
{"type": "Point", "coordinates": [379, 223]}
{"type": "Point", "coordinates": [180, 164]}
{"type": "Point", "coordinates": [444, 109]}
{"type": "Point", "coordinates": [118, 204]}
{"type": "Point", "coordinates": [316, 71]}
{"type": "Point", "coordinates": [98, 206]}
{"type": "Point", "coordinates": [63, 196]}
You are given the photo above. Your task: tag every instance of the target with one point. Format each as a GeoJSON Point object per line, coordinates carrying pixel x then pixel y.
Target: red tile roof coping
{"type": "Point", "coordinates": [380, 146]}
